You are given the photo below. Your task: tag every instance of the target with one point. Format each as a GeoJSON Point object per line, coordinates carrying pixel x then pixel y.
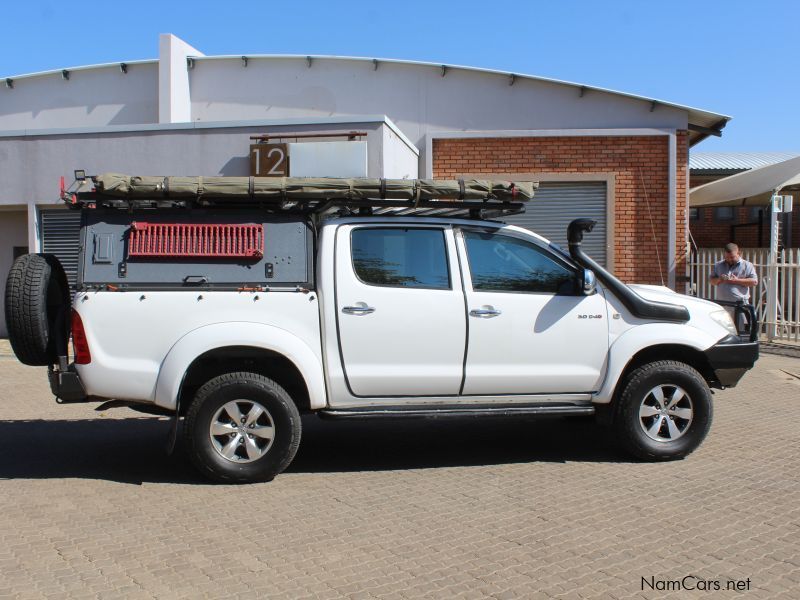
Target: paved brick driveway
{"type": "Point", "coordinates": [90, 506]}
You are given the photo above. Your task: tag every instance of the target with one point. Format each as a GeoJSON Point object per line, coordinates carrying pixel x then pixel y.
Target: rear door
{"type": "Point", "coordinates": [400, 310]}
{"type": "Point", "coordinates": [529, 331]}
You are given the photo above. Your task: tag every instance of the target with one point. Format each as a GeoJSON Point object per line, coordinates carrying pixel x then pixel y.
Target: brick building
{"type": "Point", "coordinates": [619, 158]}
{"type": "Point", "coordinates": [747, 226]}
{"type": "Point", "coordinates": [635, 167]}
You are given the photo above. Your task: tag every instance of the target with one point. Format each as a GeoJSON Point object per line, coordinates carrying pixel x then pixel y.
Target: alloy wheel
{"type": "Point", "coordinates": [665, 413]}
{"type": "Point", "coordinates": [242, 431]}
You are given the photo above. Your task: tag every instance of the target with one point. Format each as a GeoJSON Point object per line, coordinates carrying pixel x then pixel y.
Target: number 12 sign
{"type": "Point", "coordinates": [269, 160]}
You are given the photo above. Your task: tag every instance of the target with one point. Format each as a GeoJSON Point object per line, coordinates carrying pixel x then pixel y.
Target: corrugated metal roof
{"type": "Point", "coordinates": [735, 161]}
{"type": "Point", "coordinates": [749, 188]}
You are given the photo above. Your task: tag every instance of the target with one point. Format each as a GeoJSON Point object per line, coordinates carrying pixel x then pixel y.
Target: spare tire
{"type": "Point", "coordinates": [37, 309]}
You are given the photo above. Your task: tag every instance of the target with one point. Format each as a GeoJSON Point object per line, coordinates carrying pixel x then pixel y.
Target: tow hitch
{"type": "Point", "coordinates": [66, 385]}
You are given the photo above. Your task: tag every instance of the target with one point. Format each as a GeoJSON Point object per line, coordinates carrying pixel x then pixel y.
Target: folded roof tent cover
{"type": "Point", "coordinates": [750, 188]}
{"type": "Point", "coordinates": [307, 188]}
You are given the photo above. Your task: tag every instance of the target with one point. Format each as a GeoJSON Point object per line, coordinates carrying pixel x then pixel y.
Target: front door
{"type": "Point", "coordinates": [400, 310]}
{"type": "Point", "coordinates": [530, 330]}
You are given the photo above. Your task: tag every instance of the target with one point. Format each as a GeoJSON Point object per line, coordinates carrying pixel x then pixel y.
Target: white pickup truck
{"type": "Point", "coordinates": [382, 316]}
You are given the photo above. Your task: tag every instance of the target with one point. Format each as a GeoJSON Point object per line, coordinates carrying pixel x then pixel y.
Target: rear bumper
{"type": "Point", "coordinates": [731, 358]}
{"type": "Point", "coordinates": [67, 385]}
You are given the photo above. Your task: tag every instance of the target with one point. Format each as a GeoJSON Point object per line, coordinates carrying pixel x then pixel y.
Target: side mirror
{"type": "Point", "coordinates": [588, 282]}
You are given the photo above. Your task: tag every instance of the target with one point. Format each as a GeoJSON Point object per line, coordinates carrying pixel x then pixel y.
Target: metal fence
{"type": "Point", "coordinates": [778, 282]}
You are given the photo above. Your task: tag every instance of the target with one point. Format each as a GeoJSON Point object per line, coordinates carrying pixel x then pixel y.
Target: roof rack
{"type": "Point", "coordinates": [475, 198]}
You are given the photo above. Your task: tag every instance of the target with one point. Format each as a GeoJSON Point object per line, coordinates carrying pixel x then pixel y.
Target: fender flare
{"type": "Point", "coordinates": [641, 337]}
{"type": "Point", "coordinates": [221, 335]}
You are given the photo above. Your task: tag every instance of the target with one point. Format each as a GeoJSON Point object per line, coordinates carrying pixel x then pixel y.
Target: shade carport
{"type": "Point", "coordinates": [750, 188]}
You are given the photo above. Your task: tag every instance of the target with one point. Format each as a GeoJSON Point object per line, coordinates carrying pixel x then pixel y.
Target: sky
{"type": "Point", "coordinates": [731, 57]}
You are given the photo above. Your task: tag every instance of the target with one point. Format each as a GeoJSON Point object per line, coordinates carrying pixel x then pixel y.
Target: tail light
{"type": "Point", "coordinates": [80, 345]}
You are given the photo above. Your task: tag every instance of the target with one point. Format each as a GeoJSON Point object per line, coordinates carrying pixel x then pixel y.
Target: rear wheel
{"type": "Point", "coordinates": [241, 428]}
{"type": "Point", "coordinates": [663, 411]}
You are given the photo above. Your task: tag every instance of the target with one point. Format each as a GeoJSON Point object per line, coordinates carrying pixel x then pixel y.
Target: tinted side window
{"type": "Point", "coordinates": [500, 263]}
{"type": "Point", "coordinates": [401, 257]}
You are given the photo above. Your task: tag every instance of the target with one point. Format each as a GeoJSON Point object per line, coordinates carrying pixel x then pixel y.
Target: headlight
{"type": "Point", "coordinates": [724, 319]}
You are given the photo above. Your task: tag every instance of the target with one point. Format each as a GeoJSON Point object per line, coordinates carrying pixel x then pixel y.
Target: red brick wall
{"type": "Point", "coordinates": [698, 180]}
{"type": "Point", "coordinates": [640, 165]}
{"type": "Point", "coordinates": [681, 207]}
{"type": "Point", "coordinates": [708, 232]}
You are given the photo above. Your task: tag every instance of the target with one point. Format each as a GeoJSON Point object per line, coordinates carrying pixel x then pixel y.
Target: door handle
{"type": "Point", "coordinates": [195, 280]}
{"type": "Point", "coordinates": [486, 311]}
{"type": "Point", "coordinates": [358, 310]}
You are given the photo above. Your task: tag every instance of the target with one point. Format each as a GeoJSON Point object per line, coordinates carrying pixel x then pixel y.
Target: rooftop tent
{"type": "Point", "coordinates": [470, 197]}
{"type": "Point", "coordinates": [751, 188]}
{"type": "Point", "coordinates": [279, 189]}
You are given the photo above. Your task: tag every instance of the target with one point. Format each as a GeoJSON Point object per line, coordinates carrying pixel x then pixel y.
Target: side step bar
{"type": "Point", "coordinates": [450, 412]}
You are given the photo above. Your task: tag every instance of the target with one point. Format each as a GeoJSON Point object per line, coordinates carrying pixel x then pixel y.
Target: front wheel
{"type": "Point", "coordinates": [242, 428]}
{"type": "Point", "coordinates": [663, 411]}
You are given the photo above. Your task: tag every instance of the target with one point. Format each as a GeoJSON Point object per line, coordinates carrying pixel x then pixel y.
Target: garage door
{"type": "Point", "coordinates": [60, 232]}
{"type": "Point", "coordinates": [555, 204]}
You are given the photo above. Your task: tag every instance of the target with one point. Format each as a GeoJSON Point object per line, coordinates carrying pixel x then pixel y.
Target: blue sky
{"type": "Point", "coordinates": [724, 56]}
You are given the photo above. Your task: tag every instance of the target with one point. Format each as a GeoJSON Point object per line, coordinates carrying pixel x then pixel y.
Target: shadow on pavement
{"type": "Point", "coordinates": [123, 450]}
{"type": "Point", "coordinates": [132, 450]}
{"type": "Point", "coordinates": [334, 446]}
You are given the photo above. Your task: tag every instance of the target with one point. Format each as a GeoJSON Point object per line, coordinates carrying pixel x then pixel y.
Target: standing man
{"type": "Point", "coordinates": [733, 277]}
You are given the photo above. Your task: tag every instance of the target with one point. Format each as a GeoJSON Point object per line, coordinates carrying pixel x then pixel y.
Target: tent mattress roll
{"type": "Point", "coordinates": [308, 188]}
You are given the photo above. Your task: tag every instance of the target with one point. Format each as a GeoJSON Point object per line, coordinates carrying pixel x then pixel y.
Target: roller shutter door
{"type": "Point", "coordinates": [60, 232]}
{"type": "Point", "coordinates": [555, 204]}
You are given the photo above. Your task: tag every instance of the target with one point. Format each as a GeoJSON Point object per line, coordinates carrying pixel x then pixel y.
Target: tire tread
{"type": "Point", "coordinates": [207, 390]}
{"type": "Point", "coordinates": [623, 426]}
{"type": "Point", "coordinates": [25, 303]}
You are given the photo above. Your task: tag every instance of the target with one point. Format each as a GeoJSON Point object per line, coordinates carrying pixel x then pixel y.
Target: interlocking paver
{"type": "Point", "coordinates": [91, 507]}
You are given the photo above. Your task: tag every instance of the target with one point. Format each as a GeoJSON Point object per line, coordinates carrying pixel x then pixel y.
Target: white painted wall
{"type": "Point", "coordinates": [91, 98]}
{"type": "Point", "coordinates": [400, 161]}
{"type": "Point", "coordinates": [174, 102]}
{"type": "Point", "coordinates": [328, 159]}
{"type": "Point", "coordinates": [416, 97]}
{"type": "Point", "coordinates": [13, 232]}
{"type": "Point", "coordinates": [30, 166]}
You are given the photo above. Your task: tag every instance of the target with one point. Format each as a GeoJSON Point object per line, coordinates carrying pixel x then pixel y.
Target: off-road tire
{"type": "Point", "coordinates": [37, 309]}
{"type": "Point", "coordinates": [627, 423]}
{"type": "Point", "coordinates": [215, 394]}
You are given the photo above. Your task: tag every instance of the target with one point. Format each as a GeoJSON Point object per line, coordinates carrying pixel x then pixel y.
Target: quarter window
{"type": "Point", "coordinates": [401, 257]}
{"type": "Point", "coordinates": [500, 263]}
